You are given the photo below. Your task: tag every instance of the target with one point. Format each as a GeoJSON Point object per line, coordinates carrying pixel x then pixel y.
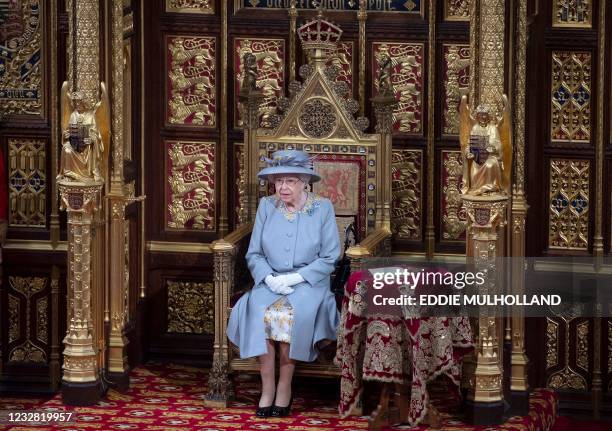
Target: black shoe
{"type": "Point", "coordinates": [279, 412]}
{"type": "Point", "coordinates": [264, 412]}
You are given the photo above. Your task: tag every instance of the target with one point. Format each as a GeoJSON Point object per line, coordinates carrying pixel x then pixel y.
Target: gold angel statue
{"type": "Point", "coordinates": [86, 137]}
{"type": "Point", "coordinates": [486, 146]}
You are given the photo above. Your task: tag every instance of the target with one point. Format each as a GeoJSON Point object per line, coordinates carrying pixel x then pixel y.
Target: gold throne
{"type": "Point", "coordinates": [318, 117]}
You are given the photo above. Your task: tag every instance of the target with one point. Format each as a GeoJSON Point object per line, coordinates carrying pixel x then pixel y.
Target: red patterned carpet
{"type": "Point", "coordinates": [169, 398]}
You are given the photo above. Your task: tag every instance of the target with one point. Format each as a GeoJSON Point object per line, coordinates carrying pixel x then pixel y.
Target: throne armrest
{"type": "Point", "coordinates": [377, 243]}
{"type": "Point", "coordinates": [225, 253]}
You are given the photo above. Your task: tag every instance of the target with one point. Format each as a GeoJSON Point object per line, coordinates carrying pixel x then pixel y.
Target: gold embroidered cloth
{"type": "Point", "coordinates": [391, 348]}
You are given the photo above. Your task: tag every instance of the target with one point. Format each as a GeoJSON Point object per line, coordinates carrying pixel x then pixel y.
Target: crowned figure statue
{"type": "Point", "coordinates": [86, 136]}
{"type": "Point", "coordinates": [486, 147]}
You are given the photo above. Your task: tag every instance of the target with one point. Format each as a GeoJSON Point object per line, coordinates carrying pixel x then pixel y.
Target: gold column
{"type": "Point", "coordinates": [54, 219]}
{"type": "Point", "coordinates": [223, 188]}
{"type": "Point", "coordinates": [519, 385]}
{"type": "Point", "coordinates": [117, 201]}
{"type": "Point", "coordinates": [598, 246]}
{"type": "Point", "coordinates": [81, 367]}
{"type": "Point", "coordinates": [362, 16]}
{"type": "Point", "coordinates": [292, 36]}
{"type": "Point", "coordinates": [430, 236]}
{"type": "Point", "coordinates": [383, 109]}
{"type": "Point", "coordinates": [486, 214]}
{"type": "Point", "coordinates": [250, 99]}
{"type": "Point", "coordinates": [84, 340]}
{"type": "Point", "coordinates": [219, 385]}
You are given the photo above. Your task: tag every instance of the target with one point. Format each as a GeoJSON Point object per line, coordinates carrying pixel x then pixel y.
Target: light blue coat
{"type": "Point", "coordinates": [305, 242]}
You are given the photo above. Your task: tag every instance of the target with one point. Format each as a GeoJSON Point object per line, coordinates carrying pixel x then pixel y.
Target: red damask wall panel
{"type": "Point", "coordinates": [407, 79]}
{"type": "Point", "coordinates": [191, 67]}
{"type": "Point", "coordinates": [270, 55]}
{"type": "Point", "coordinates": [190, 188]}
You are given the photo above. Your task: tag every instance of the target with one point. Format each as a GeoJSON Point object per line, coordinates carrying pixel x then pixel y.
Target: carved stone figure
{"type": "Point", "coordinates": [86, 137]}
{"type": "Point", "coordinates": [249, 80]}
{"type": "Point", "coordinates": [385, 87]}
{"type": "Point", "coordinates": [486, 146]}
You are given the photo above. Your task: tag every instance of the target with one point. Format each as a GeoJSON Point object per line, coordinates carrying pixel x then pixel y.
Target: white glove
{"type": "Point", "coordinates": [290, 279]}
{"type": "Point", "coordinates": [277, 286]}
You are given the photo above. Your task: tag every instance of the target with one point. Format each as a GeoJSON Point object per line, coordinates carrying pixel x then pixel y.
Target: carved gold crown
{"type": "Point", "coordinates": [319, 34]}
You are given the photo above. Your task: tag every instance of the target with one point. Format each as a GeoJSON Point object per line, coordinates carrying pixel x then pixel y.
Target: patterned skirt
{"type": "Point", "coordinates": [278, 320]}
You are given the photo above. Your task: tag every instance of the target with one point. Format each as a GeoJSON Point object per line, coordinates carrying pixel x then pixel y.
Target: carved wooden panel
{"type": "Point", "coordinates": [572, 13]}
{"type": "Point", "coordinates": [27, 181]}
{"type": "Point", "coordinates": [21, 53]}
{"type": "Point", "coordinates": [571, 96]}
{"type": "Point", "coordinates": [191, 81]}
{"type": "Point", "coordinates": [407, 193]}
{"type": "Point", "coordinates": [552, 343]}
{"type": "Point", "coordinates": [191, 307]}
{"type": "Point", "coordinates": [567, 348]}
{"type": "Point", "coordinates": [190, 186]}
{"type": "Point", "coordinates": [389, 6]}
{"type": "Point", "coordinates": [343, 59]}
{"type": "Point", "coordinates": [407, 78]}
{"type": "Point", "coordinates": [191, 6]}
{"type": "Point", "coordinates": [240, 184]}
{"type": "Point", "coordinates": [456, 78]}
{"type": "Point", "coordinates": [457, 10]}
{"type": "Point", "coordinates": [569, 204]}
{"type": "Point", "coordinates": [29, 319]}
{"type": "Point", "coordinates": [454, 217]}
{"type": "Point", "coordinates": [270, 58]}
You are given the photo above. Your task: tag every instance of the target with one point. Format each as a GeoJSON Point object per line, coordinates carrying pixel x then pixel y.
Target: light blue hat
{"type": "Point", "coordinates": [289, 162]}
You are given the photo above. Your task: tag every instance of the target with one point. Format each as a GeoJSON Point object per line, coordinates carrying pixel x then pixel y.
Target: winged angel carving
{"type": "Point", "coordinates": [486, 146]}
{"type": "Point", "coordinates": [86, 136]}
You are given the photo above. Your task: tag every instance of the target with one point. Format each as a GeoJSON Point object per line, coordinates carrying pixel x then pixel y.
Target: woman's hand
{"type": "Point", "coordinates": [290, 279]}
{"type": "Point", "coordinates": [277, 286]}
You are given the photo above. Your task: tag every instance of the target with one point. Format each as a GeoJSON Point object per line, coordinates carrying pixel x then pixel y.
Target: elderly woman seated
{"type": "Point", "coordinates": [293, 249]}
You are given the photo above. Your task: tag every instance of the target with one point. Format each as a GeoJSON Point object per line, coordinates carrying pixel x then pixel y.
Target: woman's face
{"type": "Point", "coordinates": [288, 188]}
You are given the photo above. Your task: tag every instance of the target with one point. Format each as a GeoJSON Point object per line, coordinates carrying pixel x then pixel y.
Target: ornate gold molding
{"type": "Point", "coordinates": [457, 10]}
{"type": "Point", "coordinates": [552, 343]}
{"type": "Point", "coordinates": [518, 360]}
{"type": "Point", "coordinates": [582, 345]}
{"type": "Point", "coordinates": [191, 6]}
{"type": "Point", "coordinates": [23, 55]}
{"type": "Point", "coordinates": [178, 247]}
{"type": "Point", "coordinates": [362, 17]}
{"type": "Point", "coordinates": [116, 185]}
{"type": "Point", "coordinates": [55, 124]}
{"type": "Point", "coordinates": [223, 220]}
{"type": "Point", "coordinates": [292, 39]}
{"type": "Point", "coordinates": [453, 217]}
{"type": "Point", "coordinates": [430, 234]}
{"type": "Point", "coordinates": [572, 13]}
{"type": "Point", "coordinates": [598, 240]}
